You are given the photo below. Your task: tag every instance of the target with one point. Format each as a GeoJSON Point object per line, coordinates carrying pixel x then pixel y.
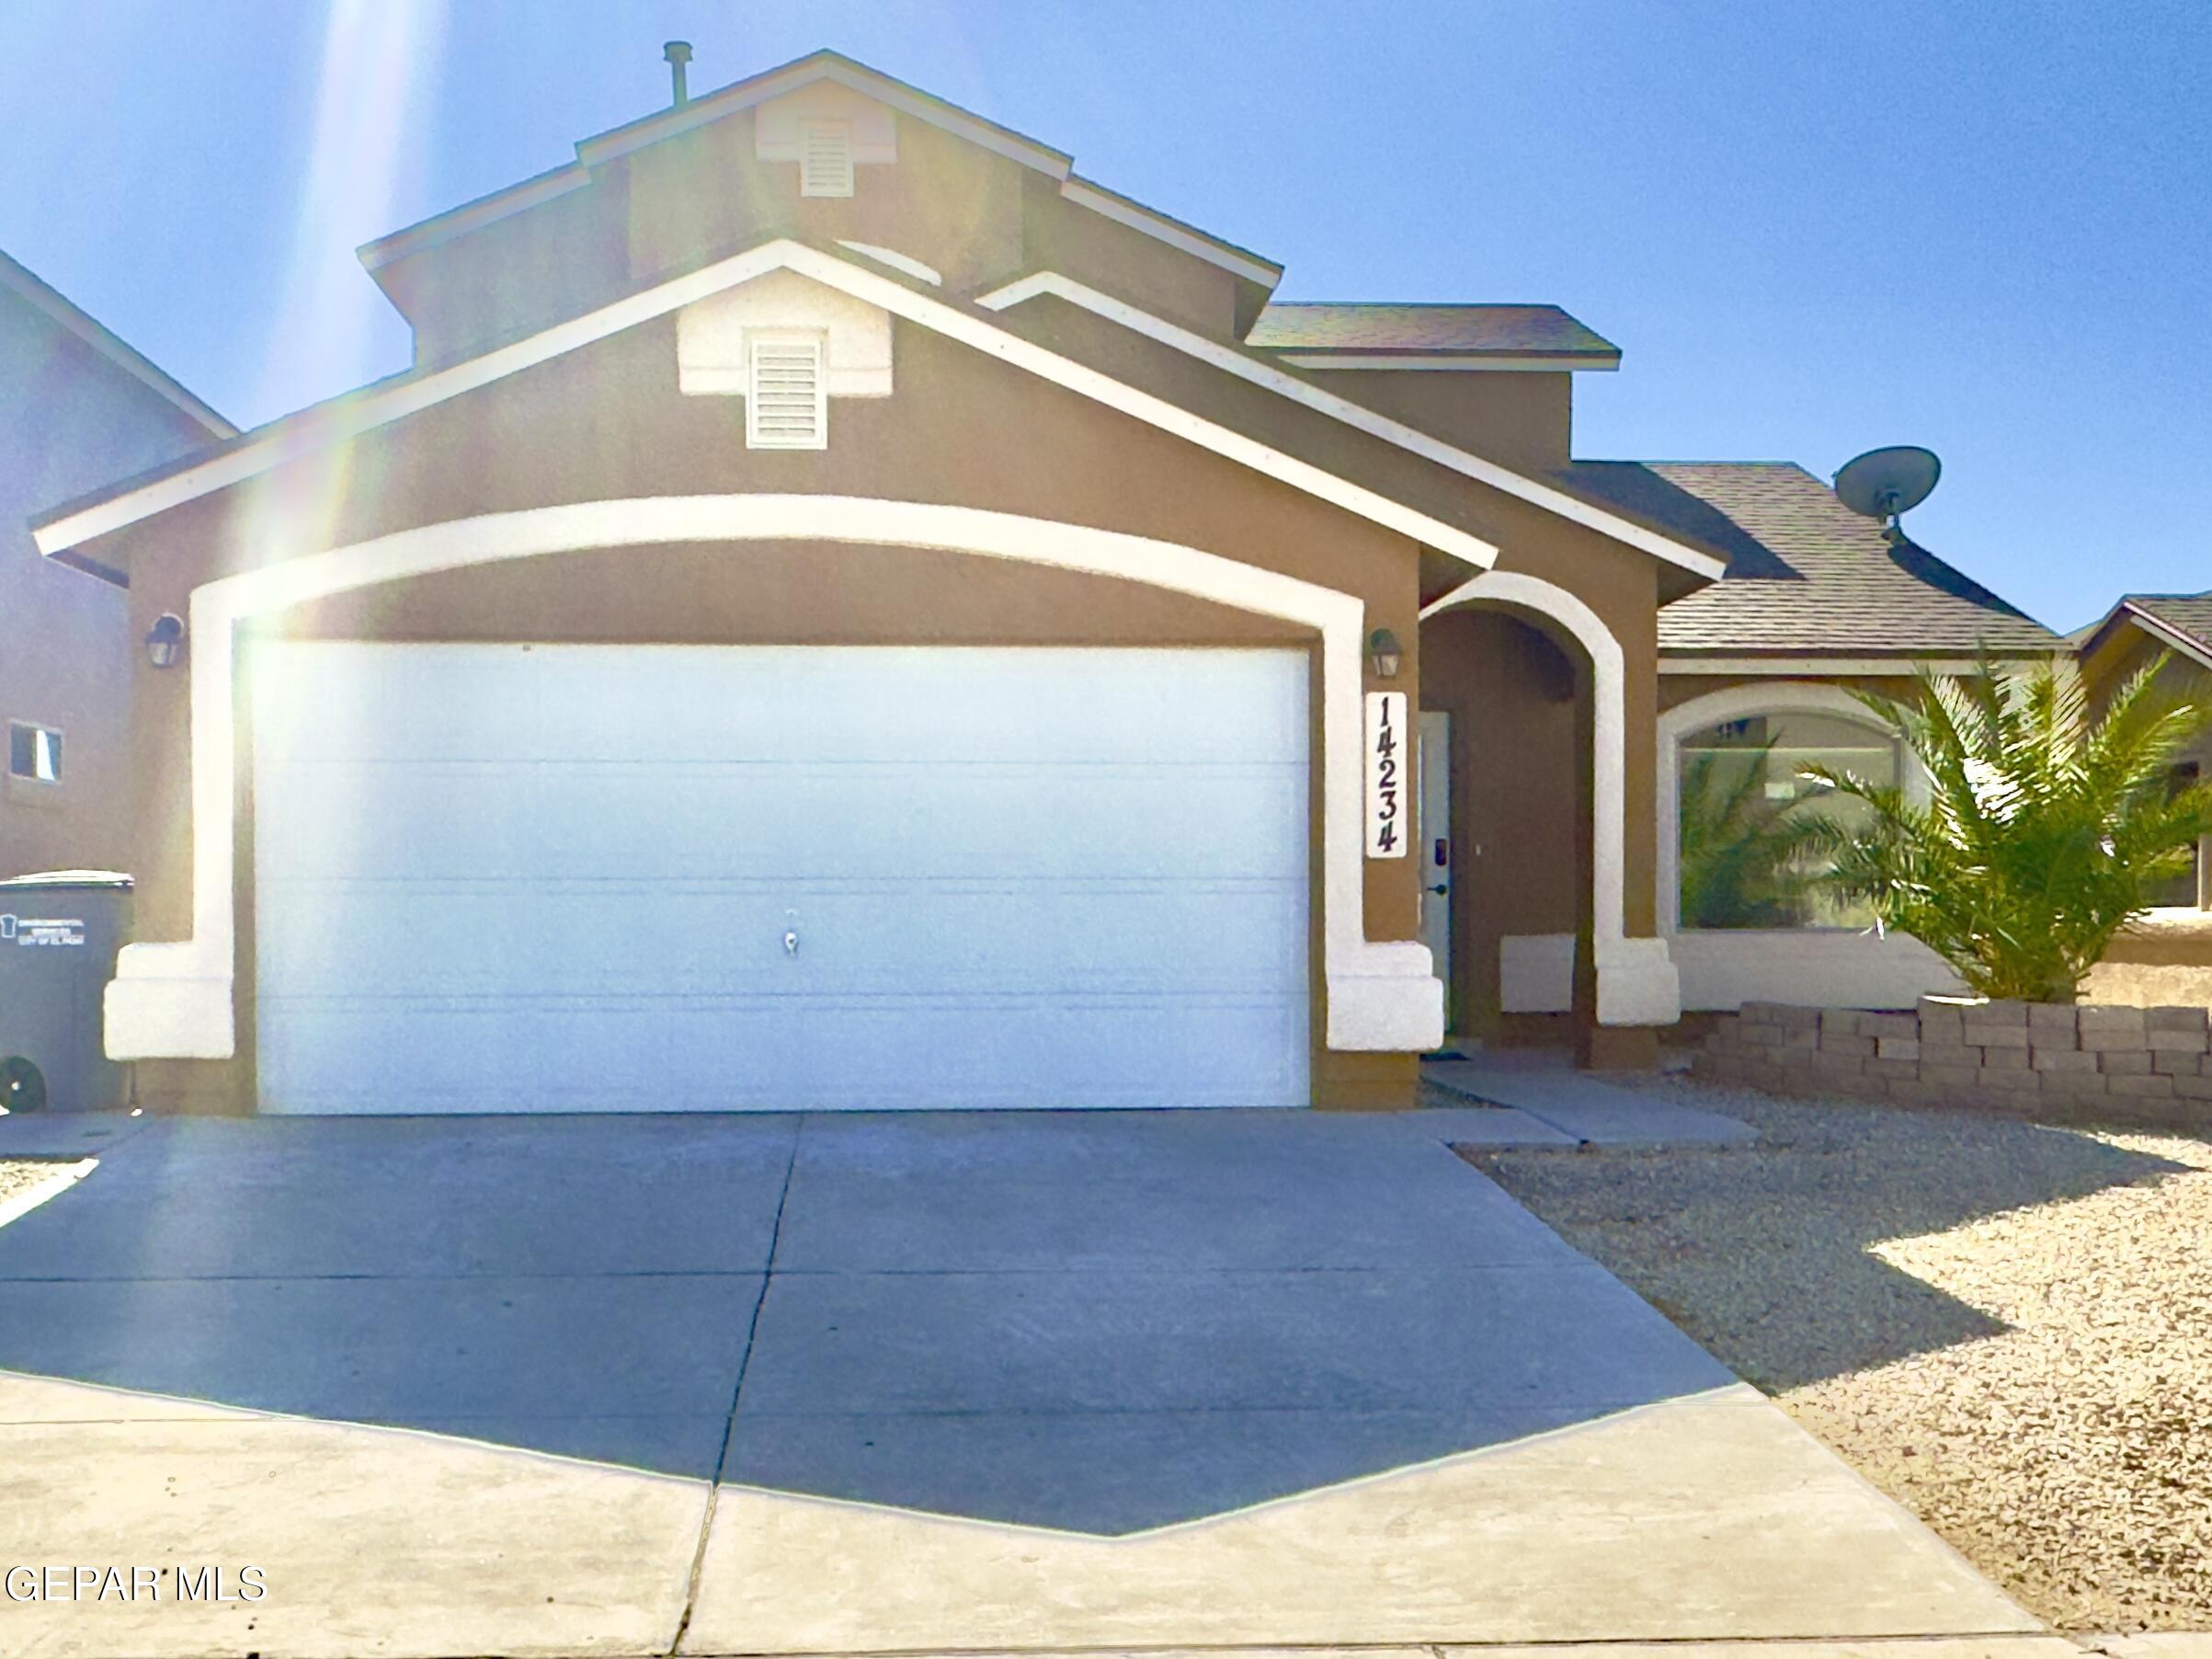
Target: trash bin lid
{"type": "Point", "coordinates": [69, 879]}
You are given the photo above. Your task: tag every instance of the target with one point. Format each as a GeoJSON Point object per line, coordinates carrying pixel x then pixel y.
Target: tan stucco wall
{"type": "Point", "coordinates": [1517, 419]}
{"type": "Point", "coordinates": [605, 423]}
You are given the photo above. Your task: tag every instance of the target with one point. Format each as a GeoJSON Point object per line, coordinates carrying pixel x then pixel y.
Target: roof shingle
{"type": "Point", "coordinates": [1469, 330]}
{"type": "Point", "coordinates": [2189, 613]}
{"type": "Point", "coordinates": [1806, 575]}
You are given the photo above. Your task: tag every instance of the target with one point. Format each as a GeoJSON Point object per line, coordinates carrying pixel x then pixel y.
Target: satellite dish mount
{"type": "Point", "coordinates": [1888, 484]}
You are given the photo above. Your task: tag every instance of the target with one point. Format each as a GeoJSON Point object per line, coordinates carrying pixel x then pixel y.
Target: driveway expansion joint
{"type": "Point", "coordinates": [722, 1456]}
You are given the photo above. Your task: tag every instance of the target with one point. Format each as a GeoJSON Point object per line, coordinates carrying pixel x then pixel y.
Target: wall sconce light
{"type": "Point", "coordinates": [164, 640]}
{"type": "Point", "coordinates": [1383, 654]}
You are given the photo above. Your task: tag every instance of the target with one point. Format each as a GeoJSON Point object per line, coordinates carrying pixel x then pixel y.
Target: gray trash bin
{"type": "Point", "coordinates": [59, 935]}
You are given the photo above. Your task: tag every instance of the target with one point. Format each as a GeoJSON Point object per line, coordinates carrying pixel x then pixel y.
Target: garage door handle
{"type": "Point", "coordinates": [790, 943]}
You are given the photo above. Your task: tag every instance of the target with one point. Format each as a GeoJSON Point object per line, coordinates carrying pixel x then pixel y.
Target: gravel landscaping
{"type": "Point", "coordinates": [18, 1175]}
{"type": "Point", "coordinates": [2007, 1327]}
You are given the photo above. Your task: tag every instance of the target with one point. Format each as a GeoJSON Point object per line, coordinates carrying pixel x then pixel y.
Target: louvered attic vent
{"type": "Point", "coordinates": [825, 164]}
{"type": "Point", "coordinates": [786, 406]}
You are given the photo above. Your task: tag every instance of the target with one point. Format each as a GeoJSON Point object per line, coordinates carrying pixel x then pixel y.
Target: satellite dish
{"type": "Point", "coordinates": [1882, 483]}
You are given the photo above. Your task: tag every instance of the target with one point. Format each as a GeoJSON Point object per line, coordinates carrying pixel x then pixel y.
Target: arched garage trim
{"type": "Point", "coordinates": [1636, 982]}
{"type": "Point", "coordinates": [175, 998]}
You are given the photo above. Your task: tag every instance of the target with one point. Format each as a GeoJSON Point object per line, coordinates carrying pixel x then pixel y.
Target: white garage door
{"type": "Point", "coordinates": [515, 878]}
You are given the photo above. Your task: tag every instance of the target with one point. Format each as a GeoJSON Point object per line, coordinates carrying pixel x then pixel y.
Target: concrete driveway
{"type": "Point", "coordinates": [846, 1382]}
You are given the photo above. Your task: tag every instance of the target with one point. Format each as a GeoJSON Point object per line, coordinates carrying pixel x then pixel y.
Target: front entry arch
{"type": "Point", "coordinates": [1636, 983]}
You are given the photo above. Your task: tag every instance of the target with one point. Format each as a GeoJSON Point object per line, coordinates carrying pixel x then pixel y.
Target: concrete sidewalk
{"type": "Point", "coordinates": [1541, 1100]}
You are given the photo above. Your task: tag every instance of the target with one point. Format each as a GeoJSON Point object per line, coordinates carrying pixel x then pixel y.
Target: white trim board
{"type": "Point", "coordinates": [1235, 361]}
{"type": "Point", "coordinates": [175, 998]}
{"type": "Point", "coordinates": [1113, 205]}
{"type": "Point", "coordinates": [1803, 667]}
{"type": "Point", "coordinates": [896, 261]}
{"type": "Point", "coordinates": [1535, 363]}
{"type": "Point", "coordinates": [381, 406]}
{"type": "Point", "coordinates": [1636, 984]}
{"type": "Point", "coordinates": [471, 216]}
{"type": "Point", "coordinates": [2166, 634]}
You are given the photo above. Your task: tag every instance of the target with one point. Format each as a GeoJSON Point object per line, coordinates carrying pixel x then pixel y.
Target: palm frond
{"type": "Point", "coordinates": [2044, 830]}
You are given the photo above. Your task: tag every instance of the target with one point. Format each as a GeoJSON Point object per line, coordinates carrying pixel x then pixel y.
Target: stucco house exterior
{"type": "Point", "coordinates": [844, 611]}
{"type": "Point", "coordinates": [78, 408]}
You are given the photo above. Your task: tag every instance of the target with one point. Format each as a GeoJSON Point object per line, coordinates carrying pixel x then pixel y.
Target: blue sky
{"type": "Point", "coordinates": [1814, 228]}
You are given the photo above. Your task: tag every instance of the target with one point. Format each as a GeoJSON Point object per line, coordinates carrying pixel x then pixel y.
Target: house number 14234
{"type": "Point", "coordinates": [1388, 833]}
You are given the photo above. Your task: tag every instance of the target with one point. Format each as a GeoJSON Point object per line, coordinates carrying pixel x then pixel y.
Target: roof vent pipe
{"type": "Point", "coordinates": [678, 53]}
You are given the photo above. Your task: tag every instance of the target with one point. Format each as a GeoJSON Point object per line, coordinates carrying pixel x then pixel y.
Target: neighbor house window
{"type": "Point", "coordinates": [1741, 786]}
{"type": "Point", "coordinates": [34, 753]}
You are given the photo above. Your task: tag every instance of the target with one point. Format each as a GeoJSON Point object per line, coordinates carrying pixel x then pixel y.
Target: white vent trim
{"type": "Point", "coordinates": [787, 399]}
{"type": "Point", "coordinates": [826, 158]}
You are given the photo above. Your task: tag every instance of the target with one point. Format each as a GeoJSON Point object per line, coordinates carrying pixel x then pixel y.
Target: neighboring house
{"type": "Point", "coordinates": [2131, 637]}
{"type": "Point", "coordinates": [77, 409]}
{"type": "Point", "coordinates": [845, 612]}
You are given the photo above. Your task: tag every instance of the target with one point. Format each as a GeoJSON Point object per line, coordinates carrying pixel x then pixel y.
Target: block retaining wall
{"type": "Point", "coordinates": [2091, 1063]}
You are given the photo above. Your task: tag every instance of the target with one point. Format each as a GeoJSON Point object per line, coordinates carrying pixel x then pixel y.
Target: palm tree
{"type": "Point", "coordinates": [2046, 831]}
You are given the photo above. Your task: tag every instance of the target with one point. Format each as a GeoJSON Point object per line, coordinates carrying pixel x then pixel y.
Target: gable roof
{"type": "Point", "coordinates": [1321, 330]}
{"type": "Point", "coordinates": [824, 65]}
{"type": "Point", "coordinates": [2180, 621]}
{"type": "Point", "coordinates": [293, 436]}
{"type": "Point", "coordinates": [21, 281]}
{"type": "Point", "coordinates": [1806, 575]}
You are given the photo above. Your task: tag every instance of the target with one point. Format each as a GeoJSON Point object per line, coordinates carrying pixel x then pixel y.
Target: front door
{"type": "Point", "coordinates": [1432, 816]}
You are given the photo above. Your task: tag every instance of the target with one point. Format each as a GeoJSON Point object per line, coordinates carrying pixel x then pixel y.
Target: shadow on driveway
{"type": "Point", "coordinates": [1097, 1321]}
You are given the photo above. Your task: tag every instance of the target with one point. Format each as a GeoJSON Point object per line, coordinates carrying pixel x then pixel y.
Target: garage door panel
{"type": "Point", "coordinates": [424, 1056]}
{"type": "Point", "coordinates": [676, 704]}
{"type": "Point", "coordinates": [634, 939]}
{"type": "Point", "coordinates": [452, 822]}
{"type": "Point", "coordinates": [498, 879]}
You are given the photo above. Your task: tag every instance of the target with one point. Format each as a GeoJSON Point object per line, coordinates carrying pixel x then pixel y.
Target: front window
{"type": "Point", "coordinates": [1737, 784]}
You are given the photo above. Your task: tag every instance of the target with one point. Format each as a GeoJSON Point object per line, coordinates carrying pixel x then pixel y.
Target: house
{"type": "Point", "coordinates": [846, 611]}
{"type": "Point", "coordinates": [78, 407]}
{"type": "Point", "coordinates": [2137, 632]}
